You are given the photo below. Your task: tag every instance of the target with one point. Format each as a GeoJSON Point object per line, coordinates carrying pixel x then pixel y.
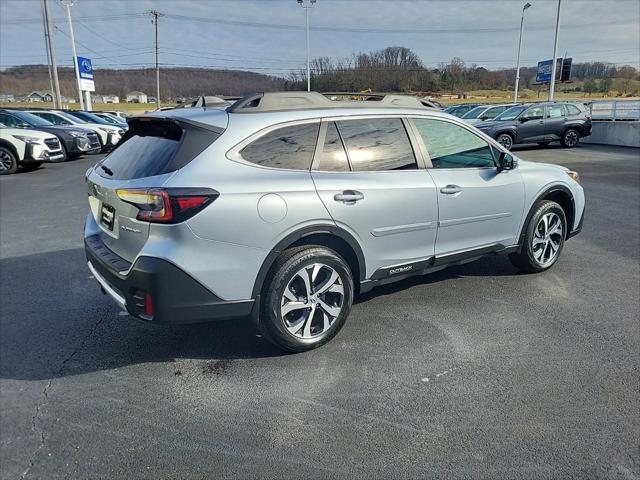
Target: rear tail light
{"type": "Point", "coordinates": [167, 205]}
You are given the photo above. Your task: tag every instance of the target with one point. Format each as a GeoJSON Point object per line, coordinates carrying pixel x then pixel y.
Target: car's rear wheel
{"type": "Point", "coordinates": [570, 138]}
{"type": "Point", "coordinates": [306, 299]}
{"type": "Point", "coordinates": [505, 140]}
{"type": "Point", "coordinates": [543, 240]}
{"type": "Point", "coordinates": [8, 162]}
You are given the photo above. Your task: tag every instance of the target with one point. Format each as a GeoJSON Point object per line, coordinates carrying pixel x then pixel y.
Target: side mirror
{"type": "Point", "coordinates": [523, 119]}
{"type": "Point", "coordinates": [484, 117]}
{"type": "Point", "coordinates": [506, 162]}
{"type": "Point", "coordinates": [23, 125]}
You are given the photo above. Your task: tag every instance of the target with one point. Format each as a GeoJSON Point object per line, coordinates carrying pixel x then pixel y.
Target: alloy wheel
{"type": "Point", "coordinates": [312, 301]}
{"type": "Point", "coordinates": [547, 238]}
{"type": "Point", "coordinates": [6, 162]}
{"type": "Point", "coordinates": [571, 138]}
{"type": "Point", "coordinates": [505, 141]}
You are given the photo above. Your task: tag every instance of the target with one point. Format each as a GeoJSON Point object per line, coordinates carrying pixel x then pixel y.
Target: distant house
{"type": "Point", "coordinates": [137, 97]}
{"type": "Point", "coordinates": [105, 99]}
{"type": "Point", "coordinates": [152, 99]}
{"type": "Point", "coordinates": [39, 96]}
{"type": "Point", "coordinates": [8, 98]}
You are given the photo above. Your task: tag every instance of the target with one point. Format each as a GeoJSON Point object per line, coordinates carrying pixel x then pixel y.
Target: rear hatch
{"type": "Point", "coordinates": [148, 155]}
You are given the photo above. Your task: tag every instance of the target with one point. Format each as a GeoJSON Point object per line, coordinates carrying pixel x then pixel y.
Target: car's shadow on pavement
{"type": "Point", "coordinates": [57, 323]}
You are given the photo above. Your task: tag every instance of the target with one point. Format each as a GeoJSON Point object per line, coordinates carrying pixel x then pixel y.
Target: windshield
{"type": "Point", "coordinates": [474, 112]}
{"type": "Point", "coordinates": [511, 114]}
{"type": "Point", "coordinates": [71, 118]}
{"type": "Point", "coordinates": [106, 118]}
{"type": "Point", "coordinates": [31, 119]}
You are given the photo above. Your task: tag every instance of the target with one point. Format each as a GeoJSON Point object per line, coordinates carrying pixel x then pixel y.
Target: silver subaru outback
{"type": "Point", "coordinates": [283, 206]}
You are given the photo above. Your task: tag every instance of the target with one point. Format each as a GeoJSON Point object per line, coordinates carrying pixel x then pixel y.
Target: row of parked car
{"type": "Point", "coordinates": [30, 137]}
{"type": "Point", "coordinates": [542, 123]}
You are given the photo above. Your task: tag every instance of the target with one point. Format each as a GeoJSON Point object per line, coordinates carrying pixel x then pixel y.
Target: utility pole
{"type": "Point", "coordinates": [552, 86]}
{"type": "Point", "coordinates": [155, 14]}
{"type": "Point", "coordinates": [515, 93]}
{"type": "Point", "coordinates": [306, 7]}
{"type": "Point", "coordinates": [46, 47]}
{"type": "Point", "coordinates": [68, 4]}
{"type": "Point", "coordinates": [57, 101]}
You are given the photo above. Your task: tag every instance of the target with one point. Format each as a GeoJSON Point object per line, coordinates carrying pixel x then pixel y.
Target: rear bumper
{"type": "Point", "coordinates": [176, 297]}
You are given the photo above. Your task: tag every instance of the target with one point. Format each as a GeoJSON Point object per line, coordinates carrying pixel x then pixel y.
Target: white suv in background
{"type": "Point", "coordinates": [28, 149]}
{"type": "Point", "coordinates": [109, 135]}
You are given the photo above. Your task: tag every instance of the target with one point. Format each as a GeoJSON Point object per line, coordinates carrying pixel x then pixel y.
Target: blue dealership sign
{"type": "Point", "coordinates": [85, 68]}
{"type": "Point", "coordinates": [543, 75]}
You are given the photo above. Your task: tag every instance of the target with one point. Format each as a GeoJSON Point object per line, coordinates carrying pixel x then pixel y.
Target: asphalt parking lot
{"type": "Point", "coordinates": [473, 372]}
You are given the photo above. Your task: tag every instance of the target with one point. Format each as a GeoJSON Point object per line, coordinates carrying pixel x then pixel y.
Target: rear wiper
{"type": "Point", "coordinates": [107, 170]}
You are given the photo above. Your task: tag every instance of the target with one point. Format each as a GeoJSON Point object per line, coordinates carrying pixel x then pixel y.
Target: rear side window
{"type": "Point", "coordinates": [452, 146]}
{"type": "Point", "coordinates": [333, 157]}
{"type": "Point", "coordinates": [556, 111]}
{"type": "Point", "coordinates": [573, 110]}
{"type": "Point", "coordinates": [377, 144]}
{"type": "Point", "coordinates": [155, 147]}
{"type": "Point", "coordinates": [288, 147]}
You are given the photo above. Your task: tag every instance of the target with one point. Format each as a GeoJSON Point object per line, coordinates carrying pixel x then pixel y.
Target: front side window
{"type": "Point", "coordinates": [333, 157]}
{"type": "Point", "coordinates": [287, 147]}
{"type": "Point", "coordinates": [452, 146]}
{"type": "Point", "coordinates": [556, 111]}
{"type": "Point", "coordinates": [534, 113]}
{"type": "Point", "coordinates": [377, 144]}
{"type": "Point", "coordinates": [8, 120]}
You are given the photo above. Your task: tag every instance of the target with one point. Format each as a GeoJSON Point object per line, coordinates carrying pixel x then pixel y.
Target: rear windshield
{"type": "Point", "coordinates": [155, 147]}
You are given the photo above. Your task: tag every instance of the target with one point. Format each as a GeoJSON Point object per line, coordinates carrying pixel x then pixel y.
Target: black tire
{"type": "Point", "coordinates": [8, 161]}
{"type": "Point", "coordinates": [31, 166]}
{"type": "Point", "coordinates": [528, 258]}
{"type": "Point", "coordinates": [570, 138]}
{"type": "Point", "coordinates": [506, 140]}
{"type": "Point", "coordinates": [283, 274]}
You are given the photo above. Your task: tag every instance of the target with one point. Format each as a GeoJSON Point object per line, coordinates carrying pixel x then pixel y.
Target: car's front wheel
{"type": "Point", "coordinates": [570, 138]}
{"type": "Point", "coordinates": [8, 162]}
{"type": "Point", "coordinates": [306, 299]}
{"type": "Point", "coordinates": [505, 140]}
{"type": "Point", "coordinates": [543, 240]}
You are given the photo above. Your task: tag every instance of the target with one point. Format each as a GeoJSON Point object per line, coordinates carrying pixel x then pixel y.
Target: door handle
{"type": "Point", "coordinates": [348, 197]}
{"type": "Point", "coordinates": [450, 189]}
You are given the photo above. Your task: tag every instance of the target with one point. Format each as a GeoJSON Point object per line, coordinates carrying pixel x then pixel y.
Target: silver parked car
{"type": "Point", "coordinates": [284, 206]}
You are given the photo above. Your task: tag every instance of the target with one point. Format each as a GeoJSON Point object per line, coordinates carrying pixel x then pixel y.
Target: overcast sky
{"type": "Point", "coordinates": [268, 35]}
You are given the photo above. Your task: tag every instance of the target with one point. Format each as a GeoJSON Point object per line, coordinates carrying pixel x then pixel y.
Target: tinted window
{"type": "Point", "coordinates": [30, 119]}
{"type": "Point", "coordinates": [288, 147]}
{"type": "Point", "coordinates": [8, 120]}
{"type": "Point", "coordinates": [377, 144]}
{"type": "Point", "coordinates": [52, 118]}
{"type": "Point", "coordinates": [333, 157]}
{"type": "Point", "coordinates": [474, 112]}
{"type": "Point", "coordinates": [452, 146]}
{"type": "Point", "coordinates": [573, 110]}
{"type": "Point", "coordinates": [534, 112]}
{"type": "Point", "coordinates": [556, 111]}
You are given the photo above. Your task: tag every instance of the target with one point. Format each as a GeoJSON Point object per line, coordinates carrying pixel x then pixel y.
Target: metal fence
{"type": "Point", "coordinates": [615, 110]}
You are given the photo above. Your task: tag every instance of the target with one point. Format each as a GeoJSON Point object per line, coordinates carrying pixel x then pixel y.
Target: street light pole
{"type": "Point", "coordinates": [306, 7]}
{"type": "Point", "coordinates": [68, 4]}
{"type": "Point", "coordinates": [552, 87]}
{"type": "Point", "coordinates": [57, 100]}
{"type": "Point", "coordinates": [515, 93]}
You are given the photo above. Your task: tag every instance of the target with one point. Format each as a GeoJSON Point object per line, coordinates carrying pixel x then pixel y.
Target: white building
{"type": "Point", "coordinates": [137, 97]}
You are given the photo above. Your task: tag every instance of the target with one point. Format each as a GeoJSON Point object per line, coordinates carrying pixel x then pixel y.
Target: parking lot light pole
{"type": "Point", "coordinates": [552, 87]}
{"type": "Point", "coordinates": [303, 4]}
{"type": "Point", "coordinates": [68, 4]}
{"type": "Point", "coordinates": [515, 93]}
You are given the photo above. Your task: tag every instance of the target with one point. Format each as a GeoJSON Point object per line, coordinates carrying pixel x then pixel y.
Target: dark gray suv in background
{"type": "Point", "coordinates": [540, 123]}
